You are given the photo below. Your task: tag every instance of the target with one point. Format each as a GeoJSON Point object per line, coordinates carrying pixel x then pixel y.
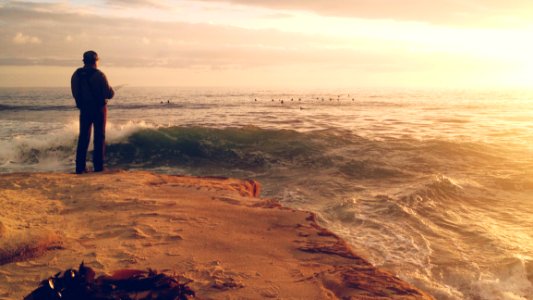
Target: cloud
{"type": "Point", "coordinates": [22, 39]}
{"type": "Point", "coordinates": [42, 61]}
{"type": "Point", "coordinates": [146, 38]}
{"type": "Point", "coordinates": [123, 42]}
{"type": "Point", "coordinates": [139, 3]}
{"type": "Point", "coordinates": [448, 12]}
{"type": "Point", "coordinates": [145, 41]}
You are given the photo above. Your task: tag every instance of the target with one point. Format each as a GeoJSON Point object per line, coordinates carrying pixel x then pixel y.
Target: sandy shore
{"type": "Point", "coordinates": [213, 231]}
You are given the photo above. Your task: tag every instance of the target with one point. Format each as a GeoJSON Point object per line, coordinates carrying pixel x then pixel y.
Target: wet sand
{"type": "Point", "coordinates": [216, 232]}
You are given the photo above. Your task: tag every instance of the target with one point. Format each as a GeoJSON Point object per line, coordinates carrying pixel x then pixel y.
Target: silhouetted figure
{"type": "Point", "coordinates": [91, 90]}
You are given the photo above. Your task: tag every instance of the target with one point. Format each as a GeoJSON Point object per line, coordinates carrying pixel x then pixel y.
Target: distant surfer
{"type": "Point", "coordinates": [91, 90]}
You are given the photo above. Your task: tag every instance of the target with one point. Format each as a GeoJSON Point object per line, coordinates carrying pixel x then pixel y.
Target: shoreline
{"type": "Point", "coordinates": [214, 231]}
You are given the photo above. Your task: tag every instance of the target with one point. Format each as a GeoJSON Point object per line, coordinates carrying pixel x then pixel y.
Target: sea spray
{"type": "Point", "coordinates": [54, 150]}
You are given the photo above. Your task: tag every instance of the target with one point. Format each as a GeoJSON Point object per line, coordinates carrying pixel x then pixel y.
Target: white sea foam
{"type": "Point", "coordinates": [509, 283]}
{"type": "Point", "coordinates": [118, 132]}
{"type": "Point", "coordinates": [46, 152]}
{"type": "Point", "coordinates": [55, 150]}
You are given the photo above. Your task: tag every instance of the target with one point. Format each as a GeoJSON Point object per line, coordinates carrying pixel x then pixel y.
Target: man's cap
{"type": "Point", "coordinates": [90, 57]}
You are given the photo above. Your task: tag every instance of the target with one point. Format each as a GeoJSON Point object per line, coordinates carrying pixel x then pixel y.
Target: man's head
{"type": "Point", "coordinates": [90, 58]}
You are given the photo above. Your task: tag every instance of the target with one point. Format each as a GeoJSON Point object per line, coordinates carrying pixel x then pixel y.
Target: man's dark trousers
{"type": "Point", "coordinates": [89, 118]}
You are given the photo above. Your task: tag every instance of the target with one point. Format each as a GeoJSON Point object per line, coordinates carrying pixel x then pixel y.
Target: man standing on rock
{"type": "Point", "coordinates": [91, 90]}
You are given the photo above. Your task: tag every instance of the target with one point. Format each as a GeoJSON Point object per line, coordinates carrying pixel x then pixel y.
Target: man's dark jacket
{"type": "Point", "coordinates": [90, 88]}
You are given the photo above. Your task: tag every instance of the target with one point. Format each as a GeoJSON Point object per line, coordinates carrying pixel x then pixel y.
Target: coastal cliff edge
{"type": "Point", "coordinates": [216, 232]}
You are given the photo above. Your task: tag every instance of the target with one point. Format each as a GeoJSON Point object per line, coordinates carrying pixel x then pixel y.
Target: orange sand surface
{"type": "Point", "coordinates": [213, 231]}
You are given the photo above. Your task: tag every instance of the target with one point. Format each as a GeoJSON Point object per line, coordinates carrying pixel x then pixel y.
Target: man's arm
{"type": "Point", "coordinates": [75, 87]}
{"type": "Point", "coordinates": [106, 90]}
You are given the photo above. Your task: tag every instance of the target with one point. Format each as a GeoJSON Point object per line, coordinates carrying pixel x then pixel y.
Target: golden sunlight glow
{"type": "Point", "coordinates": [217, 42]}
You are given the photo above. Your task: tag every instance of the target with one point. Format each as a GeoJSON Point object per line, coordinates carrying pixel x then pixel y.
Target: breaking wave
{"type": "Point", "coordinates": [338, 152]}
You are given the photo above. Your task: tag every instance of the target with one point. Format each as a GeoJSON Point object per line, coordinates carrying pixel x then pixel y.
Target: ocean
{"type": "Point", "coordinates": [436, 186]}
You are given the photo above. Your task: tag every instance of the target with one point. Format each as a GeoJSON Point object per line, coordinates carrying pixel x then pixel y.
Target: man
{"type": "Point", "coordinates": [91, 90]}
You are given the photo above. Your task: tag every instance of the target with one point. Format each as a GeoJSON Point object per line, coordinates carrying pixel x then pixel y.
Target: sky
{"type": "Point", "coordinates": [271, 43]}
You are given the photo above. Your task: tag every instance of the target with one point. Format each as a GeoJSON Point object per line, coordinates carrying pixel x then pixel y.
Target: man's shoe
{"type": "Point", "coordinates": [82, 171]}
